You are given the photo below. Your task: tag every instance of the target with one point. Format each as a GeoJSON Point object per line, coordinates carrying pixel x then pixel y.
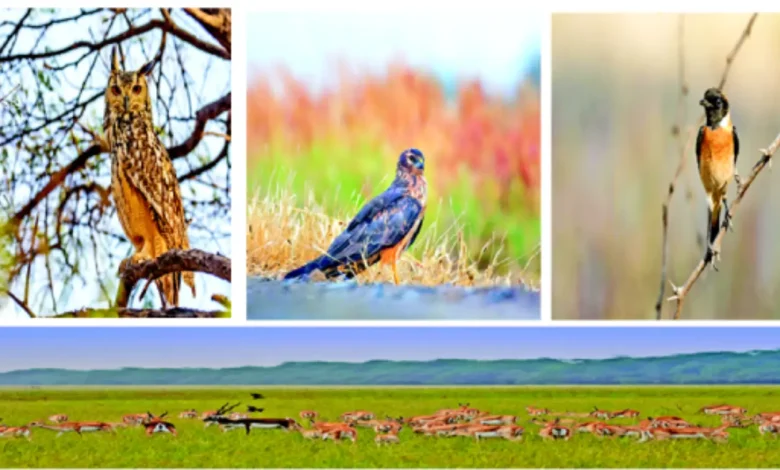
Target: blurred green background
{"type": "Point", "coordinates": [614, 102]}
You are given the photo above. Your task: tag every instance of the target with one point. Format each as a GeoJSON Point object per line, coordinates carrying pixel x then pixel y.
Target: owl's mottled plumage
{"type": "Point", "coordinates": [143, 180]}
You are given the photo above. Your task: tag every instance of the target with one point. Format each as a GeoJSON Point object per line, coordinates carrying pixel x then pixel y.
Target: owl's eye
{"type": "Point", "coordinates": [115, 90]}
{"type": "Point", "coordinates": [137, 89]}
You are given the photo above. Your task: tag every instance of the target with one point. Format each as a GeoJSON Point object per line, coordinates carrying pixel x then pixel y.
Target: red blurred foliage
{"type": "Point", "coordinates": [492, 138]}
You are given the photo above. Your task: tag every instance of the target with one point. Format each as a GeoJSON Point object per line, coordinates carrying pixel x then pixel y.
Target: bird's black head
{"type": "Point", "coordinates": [716, 106]}
{"type": "Point", "coordinates": [411, 161]}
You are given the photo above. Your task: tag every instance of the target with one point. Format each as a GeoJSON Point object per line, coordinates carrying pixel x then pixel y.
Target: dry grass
{"type": "Point", "coordinates": [284, 234]}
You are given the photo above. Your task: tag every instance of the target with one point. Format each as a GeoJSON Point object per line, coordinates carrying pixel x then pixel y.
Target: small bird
{"type": "Point", "coordinates": [717, 149]}
{"type": "Point", "coordinates": [257, 396]}
{"type": "Point", "coordinates": [383, 228]}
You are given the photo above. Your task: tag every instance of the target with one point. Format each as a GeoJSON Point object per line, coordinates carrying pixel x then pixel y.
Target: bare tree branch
{"type": "Point", "coordinates": [173, 261]}
{"type": "Point", "coordinates": [682, 291]}
{"type": "Point", "coordinates": [685, 152]}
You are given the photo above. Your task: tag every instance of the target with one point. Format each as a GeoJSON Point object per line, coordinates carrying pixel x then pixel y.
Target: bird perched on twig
{"type": "Point", "coordinates": [383, 228]}
{"type": "Point", "coordinates": [717, 149]}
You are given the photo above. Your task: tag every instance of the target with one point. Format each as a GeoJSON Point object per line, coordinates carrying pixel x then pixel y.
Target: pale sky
{"type": "Point", "coordinates": [216, 347]}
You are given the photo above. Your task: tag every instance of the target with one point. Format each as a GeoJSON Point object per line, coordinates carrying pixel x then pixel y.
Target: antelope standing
{"type": "Point", "coordinates": [77, 427]}
{"type": "Point", "coordinates": [57, 419]}
{"type": "Point", "coordinates": [212, 417]}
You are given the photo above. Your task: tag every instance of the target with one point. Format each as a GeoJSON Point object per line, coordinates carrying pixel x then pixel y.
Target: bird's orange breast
{"type": "Point", "coordinates": [716, 159]}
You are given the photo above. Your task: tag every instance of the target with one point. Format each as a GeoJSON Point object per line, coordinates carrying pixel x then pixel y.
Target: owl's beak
{"type": "Point", "coordinates": [127, 102]}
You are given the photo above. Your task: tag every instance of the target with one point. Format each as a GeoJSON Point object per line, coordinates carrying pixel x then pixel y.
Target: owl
{"type": "Point", "coordinates": [143, 181]}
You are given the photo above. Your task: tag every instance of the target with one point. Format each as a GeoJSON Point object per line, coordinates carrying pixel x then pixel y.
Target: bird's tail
{"type": "Point", "coordinates": [714, 227]}
{"type": "Point", "coordinates": [321, 263]}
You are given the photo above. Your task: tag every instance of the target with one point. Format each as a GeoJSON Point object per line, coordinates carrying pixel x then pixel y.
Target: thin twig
{"type": "Point", "coordinates": [685, 152]}
{"type": "Point", "coordinates": [21, 304]}
{"type": "Point", "coordinates": [682, 291]}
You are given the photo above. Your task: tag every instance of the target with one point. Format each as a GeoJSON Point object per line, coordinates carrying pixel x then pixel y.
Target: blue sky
{"type": "Point", "coordinates": [115, 347]}
{"type": "Point", "coordinates": [454, 45]}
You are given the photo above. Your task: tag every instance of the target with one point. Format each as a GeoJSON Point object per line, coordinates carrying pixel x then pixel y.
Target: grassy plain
{"type": "Point", "coordinates": [197, 447]}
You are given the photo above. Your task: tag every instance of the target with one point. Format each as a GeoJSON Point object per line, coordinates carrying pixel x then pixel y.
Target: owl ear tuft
{"type": "Point", "coordinates": [115, 59]}
{"type": "Point", "coordinates": [147, 67]}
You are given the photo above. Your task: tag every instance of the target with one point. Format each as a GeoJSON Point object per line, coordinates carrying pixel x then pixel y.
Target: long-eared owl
{"type": "Point", "coordinates": [143, 180]}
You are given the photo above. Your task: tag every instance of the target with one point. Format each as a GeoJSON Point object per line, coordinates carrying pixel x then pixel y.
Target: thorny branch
{"type": "Point", "coordinates": [682, 291]}
{"type": "Point", "coordinates": [685, 150]}
{"type": "Point", "coordinates": [54, 165]}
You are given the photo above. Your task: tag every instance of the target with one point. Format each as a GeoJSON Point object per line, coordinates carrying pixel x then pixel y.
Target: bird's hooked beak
{"type": "Point", "coordinates": [705, 103]}
{"type": "Point", "coordinates": [419, 164]}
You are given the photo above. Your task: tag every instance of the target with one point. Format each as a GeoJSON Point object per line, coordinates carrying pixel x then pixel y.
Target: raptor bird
{"type": "Point", "coordinates": [383, 228]}
{"type": "Point", "coordinates": [143, 180]}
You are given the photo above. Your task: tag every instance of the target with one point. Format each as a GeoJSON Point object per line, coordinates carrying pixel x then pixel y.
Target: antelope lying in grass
{"type": "Point", "coordinates": [723, 410]}
{"type": "Point", "coordinates": [308, 415]}
{"type": "Point", "coordinates": [340, 434]}
{"type": "Point", "coordinates": [357, 416]}
{"type": "Point", "coordinates": [155, 424]}
{"type": "Point", "coordinates": [555, 430]}
{"type": "Point", "coordinates": [15, 431]}
{"type": "Point", "coordinates": [600, 414]}
{"type": "Point", "coordinates": [589, 426]}
{"type": "Point", "coordinates": [666, 422]}
{"type": "Point", "coordinates": [134, 419]}
{"type": "Point", "coordinates": [75, 426]}
{"type": "Point", "coordinates": [718, 434]}
{"type": "Point", "coordinates": [496, 420]}
{"type": "Point", "coordinates": [390, 437]}
{"type": "Point", "coordinates": [57, 419]}
{"type": "Point", "coordinates": [508, 432]}
{"type": "Point", "coordinates": [624, 414]}
{"type": "Point", "coordinates": [533, 411]}
{"type": "Point", "coordinates": [769, 427]}
{"type": "Point", "coordinates": [772, 416]}
{"type": "Point", "coordinates": [188, 414]}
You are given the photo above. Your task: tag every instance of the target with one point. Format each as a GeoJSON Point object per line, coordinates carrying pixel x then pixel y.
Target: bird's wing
{"type": "Point", "coordinates": [736, 143]}
{"type": "Point", "coordinates": [382, 223]}
{"type": "Point", "coordinates": [699, 139]}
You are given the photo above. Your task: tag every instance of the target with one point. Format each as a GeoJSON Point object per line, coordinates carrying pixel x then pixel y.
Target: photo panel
{"type": "Point", "coordinates": [393, 166]}
{"type": "Point", "coordinates": [662, 128]}
{"type": "Point", "coordinates": [115, 157]}
{"type": "Point", "coordinates": [607, 397]}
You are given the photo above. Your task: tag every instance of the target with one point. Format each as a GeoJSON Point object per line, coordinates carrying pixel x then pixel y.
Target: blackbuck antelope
{"type": "Point", "coordinates": [134, 419]}
{"type": "Point", "coordinates": [625, 414]}
{"type": "Point", "coordinates": [588, 426]}
{"type": "Point", "coordinates": [15, 431]}
{"type": "Point", "coordinates": [212, 417]}
{"type": "Point", "coordinates": [773, 416]}
{"type": "Point", "coordinates": [555, 430]}
{"type": "Point", "coordinates": [357, 416]}
{"type": "Point", "coordinates": [718, 434]}
{"type": "Point", "coordinates": [533, 411]}
{"type": "Point", "coordinates": [188, 414]}
{"type": "Point", "coordinates": [60, 418]}
{"type": "Point", "coordinates": [769, 427]}
{"type": "Point", "coordinates": [75, 427]}
{"type": "Point", "coordinates": [665, 422]}
{"type": "Point", "coordinates": [227, 424]}
{"type": "Point", "coordinates": [340, 434]}
{"type": "Point", "coordinates": [600, 414]}
{"type": "Point", "coordinates": [155, 424]}
{"type": "Point", "coordinates": [390, 437]}
{"type": "Point", "coordinates": [723, 410]}
{"type": "Point", "coordinates": [496, 420]}
{"type": "Point", "coordinates": [508, 432]}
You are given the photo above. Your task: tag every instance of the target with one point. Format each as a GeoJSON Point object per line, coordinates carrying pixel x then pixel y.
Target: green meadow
{"type": "Point", "coordinates": [197, 446]}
